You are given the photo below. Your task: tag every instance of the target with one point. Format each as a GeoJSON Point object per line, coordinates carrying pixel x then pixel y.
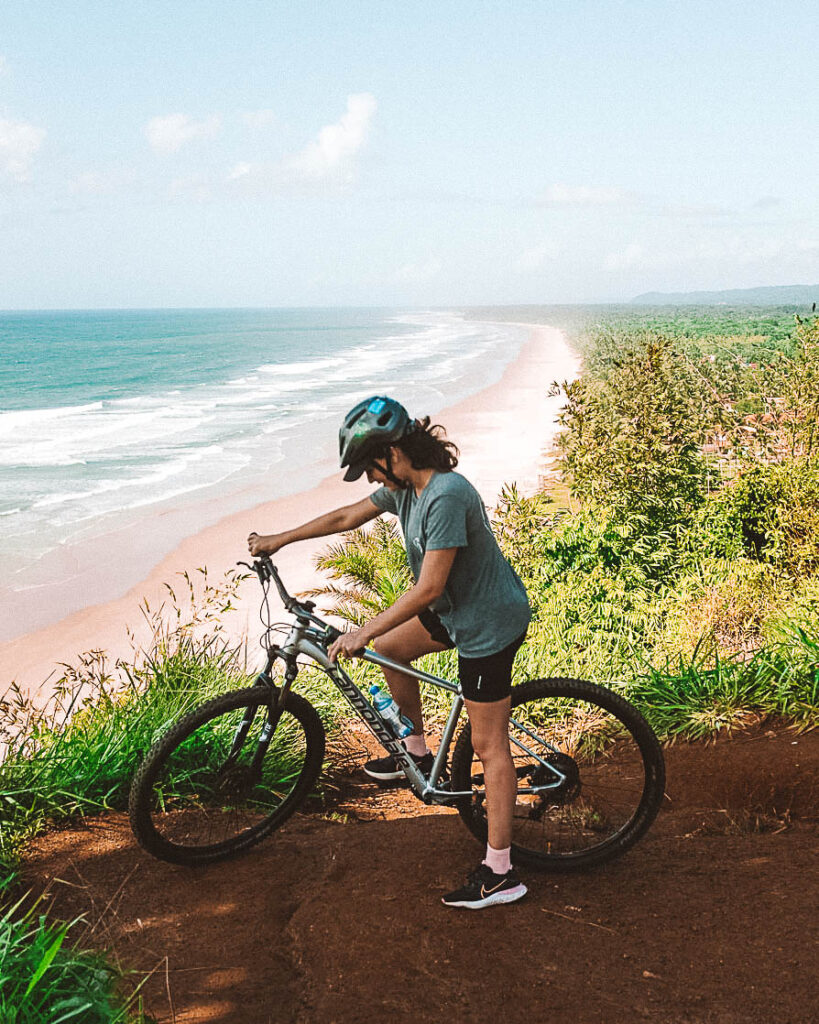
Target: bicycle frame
{"type": "Point", "coordinates": [299, 642]}
{"type": "Point", "coordinates": [426, 788]}
{"type": "Point", "coordinates": [308, 640]}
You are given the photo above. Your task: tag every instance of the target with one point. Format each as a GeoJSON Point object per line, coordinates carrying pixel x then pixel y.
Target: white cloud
{"type": "Point", "coordinates": [337, 143]}
{"type": "Point", "coordinates": [18, 144]}
{"type": "Point", "coordinates": [240, 170]}
{"type": "Point", "coordinates": [583, 195]}
{"type": "Point", "coordinates": [741, 253]}
{"type": "Point", "coordinates": [766, 203]}
{"type": "Point", "coordinates": [737, 250]}
{"type": "Point", "coordinates": [170, 133]}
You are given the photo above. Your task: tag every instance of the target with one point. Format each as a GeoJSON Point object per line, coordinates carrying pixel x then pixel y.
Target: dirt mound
{"type": "Point", "coordinates": [711, 919]}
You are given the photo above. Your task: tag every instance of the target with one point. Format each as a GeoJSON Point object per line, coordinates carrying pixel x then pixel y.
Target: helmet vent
{"type": "Point", "coordinates": [384, 419]}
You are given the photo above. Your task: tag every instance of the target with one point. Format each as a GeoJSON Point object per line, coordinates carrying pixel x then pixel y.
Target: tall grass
{"type": "Point", "coordinates": [77, 755]}
{"type": "Point", "coordinates": [46, 979]}
{"type": "Point", "coordinates": [706, 694]}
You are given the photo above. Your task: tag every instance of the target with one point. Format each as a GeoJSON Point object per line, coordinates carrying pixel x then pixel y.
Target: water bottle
{"type": "Point", "coordinates": [391, 713]}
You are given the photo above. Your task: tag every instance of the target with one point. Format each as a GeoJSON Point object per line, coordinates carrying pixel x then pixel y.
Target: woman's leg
{"type": "Point", "coordinates": [490, 741]}
{"type": "Point", "coordinates": [405, 643]}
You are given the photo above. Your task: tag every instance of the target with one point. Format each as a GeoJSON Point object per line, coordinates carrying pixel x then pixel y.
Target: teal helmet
{"type": "Point", "coordinates": [369, 428]}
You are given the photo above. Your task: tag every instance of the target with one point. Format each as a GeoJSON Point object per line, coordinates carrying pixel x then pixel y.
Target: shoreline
{"type": "Point", "coordinates": [503, 431]}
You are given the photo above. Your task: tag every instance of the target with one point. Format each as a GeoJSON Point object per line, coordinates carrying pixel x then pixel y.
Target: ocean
{"type": "Point", "coordinates": [110, 414]}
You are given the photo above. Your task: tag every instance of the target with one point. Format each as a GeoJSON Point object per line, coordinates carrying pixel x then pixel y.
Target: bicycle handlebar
{"type": "Point", "coordinates": [266, 570]}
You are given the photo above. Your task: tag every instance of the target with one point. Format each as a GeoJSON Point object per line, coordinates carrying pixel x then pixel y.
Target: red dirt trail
{"type": "Point", "coordinates": [336, 919]}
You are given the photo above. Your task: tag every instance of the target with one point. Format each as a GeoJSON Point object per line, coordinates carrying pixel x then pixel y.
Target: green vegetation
{"type": "Point", "coordinates": [77, 757]}
{"type": "Point", "coordinates": [685, 574]}
{"type": "Point", "coordinates": [687, 577]}
{"type": "Point", "coordinates": [44, 980]}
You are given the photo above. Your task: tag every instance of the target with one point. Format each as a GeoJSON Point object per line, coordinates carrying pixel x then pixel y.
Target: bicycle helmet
{"type": "Point", "coordinates": [368, 430]}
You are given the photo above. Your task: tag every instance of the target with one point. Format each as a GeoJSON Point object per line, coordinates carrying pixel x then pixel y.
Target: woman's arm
{"type": "Point", "coordinates": [347, 518]}
{"type": "Point", "coordinates": [435, 571]}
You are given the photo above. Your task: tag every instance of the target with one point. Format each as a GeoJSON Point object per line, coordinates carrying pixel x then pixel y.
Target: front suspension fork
{"type": "Point", "coordinates": [275, 706]}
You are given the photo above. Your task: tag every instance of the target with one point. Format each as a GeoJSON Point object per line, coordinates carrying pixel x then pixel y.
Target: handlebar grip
{"type": "Point", "coordinates": [333, 634]}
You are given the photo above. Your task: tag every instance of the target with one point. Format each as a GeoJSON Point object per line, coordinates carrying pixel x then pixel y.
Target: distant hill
{"type": "Point", "coordinates": [779, 295]}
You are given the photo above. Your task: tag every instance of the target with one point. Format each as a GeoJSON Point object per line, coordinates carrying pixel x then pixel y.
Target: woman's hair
{"type": "Point", "coordinates": [426, 447]}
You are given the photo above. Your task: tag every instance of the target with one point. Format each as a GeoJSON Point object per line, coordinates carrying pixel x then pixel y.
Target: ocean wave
{"type": "Point", "coordinates": [15, 420]}
{"type": "Point", "coordinates": [293, 369]}
{"type": "Point", "coordinates": [67, 465]}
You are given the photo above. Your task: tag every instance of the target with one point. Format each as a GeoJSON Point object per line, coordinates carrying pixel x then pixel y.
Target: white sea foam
{"type": "Point", "coordinates": [294, 369]}
{"type": "Point", "coordinates": [60, 468]}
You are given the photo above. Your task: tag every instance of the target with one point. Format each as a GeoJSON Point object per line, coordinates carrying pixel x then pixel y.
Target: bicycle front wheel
{"type": "Point", "coordinates": [590, 772]}
{"type": "Point", "coordinates": [217, 782]}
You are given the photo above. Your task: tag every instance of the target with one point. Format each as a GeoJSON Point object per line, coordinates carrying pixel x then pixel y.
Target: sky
{"type": "Point", "coordinates": [412, 153]}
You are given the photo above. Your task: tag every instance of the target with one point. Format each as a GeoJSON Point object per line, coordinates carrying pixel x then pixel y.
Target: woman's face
{"type": "Point", "coordinates": [375, 472]}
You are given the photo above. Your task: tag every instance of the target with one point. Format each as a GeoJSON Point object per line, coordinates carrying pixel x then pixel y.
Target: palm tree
{"type": "Point", "coordinates": [372, 567]}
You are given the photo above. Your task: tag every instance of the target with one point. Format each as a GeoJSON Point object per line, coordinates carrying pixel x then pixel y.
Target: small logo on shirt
{"type": "Point", "coordinates": [419, 547]}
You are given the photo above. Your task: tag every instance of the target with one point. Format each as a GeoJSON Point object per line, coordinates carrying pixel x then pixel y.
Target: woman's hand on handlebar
{"type": "Point", "coordinates": [260, 544]}
{"type": "Point", "coordinates": [349, 644]}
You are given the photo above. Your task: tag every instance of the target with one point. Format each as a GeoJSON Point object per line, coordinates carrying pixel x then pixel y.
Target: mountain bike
{"type": "Point", "coordinates": [590, 770]}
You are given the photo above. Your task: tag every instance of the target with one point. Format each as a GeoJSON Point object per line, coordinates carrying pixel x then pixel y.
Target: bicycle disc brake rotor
{"type": "Point", "coordinates": [558, 796]}
{"type": "Point", "coordinates": [235, 782]}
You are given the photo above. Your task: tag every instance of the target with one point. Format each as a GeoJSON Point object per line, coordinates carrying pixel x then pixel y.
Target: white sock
{"type": "Point", "coordinates": [499, 861]}
{"type": "Point", "coordinates": [416, 745]}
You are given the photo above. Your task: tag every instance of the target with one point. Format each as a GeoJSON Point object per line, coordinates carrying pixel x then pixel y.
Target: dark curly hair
{"type": "Point", "coordinates": [427, 448]}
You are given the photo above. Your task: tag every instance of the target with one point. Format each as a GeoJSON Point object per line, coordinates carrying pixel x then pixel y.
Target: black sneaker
{"type": "Point", "coordinates": [484, 888]}
{"type": "Point", "coordinates": [387, 769]}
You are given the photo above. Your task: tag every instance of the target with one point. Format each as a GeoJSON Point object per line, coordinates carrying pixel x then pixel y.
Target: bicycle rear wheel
{"type": "Point", "coordinates": [212, 786]}
{"type": "Point", "coordinates": [590, 771]}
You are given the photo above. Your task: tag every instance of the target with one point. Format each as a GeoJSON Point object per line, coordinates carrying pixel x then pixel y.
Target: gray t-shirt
{"type": "Point", "coordinates": [484, 605]}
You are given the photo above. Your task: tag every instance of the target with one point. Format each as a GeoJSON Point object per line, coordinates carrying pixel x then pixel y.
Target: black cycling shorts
{"type": "Point", "coordinates": [489, 678]}
{"type": "Point", "coordinates": [484, 679]}
{"type": "Point", "coordinates": [436, 629]}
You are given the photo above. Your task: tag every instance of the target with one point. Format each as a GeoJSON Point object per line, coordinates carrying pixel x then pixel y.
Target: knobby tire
{"type": "Point", "coordinates": [174, 799]}
{"type": "Point", "coordinates": [612, 763]}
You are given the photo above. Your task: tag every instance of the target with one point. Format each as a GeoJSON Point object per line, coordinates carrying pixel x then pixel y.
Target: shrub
{"type": "Point", "coordinates": [723, 603]}
{"type": "Point", "coordinates": [633, 426]}
{"type": "Point", "coordinates": [774, 510]}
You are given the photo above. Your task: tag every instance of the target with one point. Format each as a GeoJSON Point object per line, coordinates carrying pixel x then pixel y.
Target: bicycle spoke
{"type": "Point", "coordinates": [207, 792]}
{"type": "Point", "coordinates": [582, 774]}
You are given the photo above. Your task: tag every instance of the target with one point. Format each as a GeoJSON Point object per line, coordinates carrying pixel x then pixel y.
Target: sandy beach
{"type": "Point", "coordinates": [502, 432]}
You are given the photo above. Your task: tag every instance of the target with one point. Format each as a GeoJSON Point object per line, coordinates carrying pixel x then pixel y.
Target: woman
{"type": "Point", "coordinates": [466, 595]}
